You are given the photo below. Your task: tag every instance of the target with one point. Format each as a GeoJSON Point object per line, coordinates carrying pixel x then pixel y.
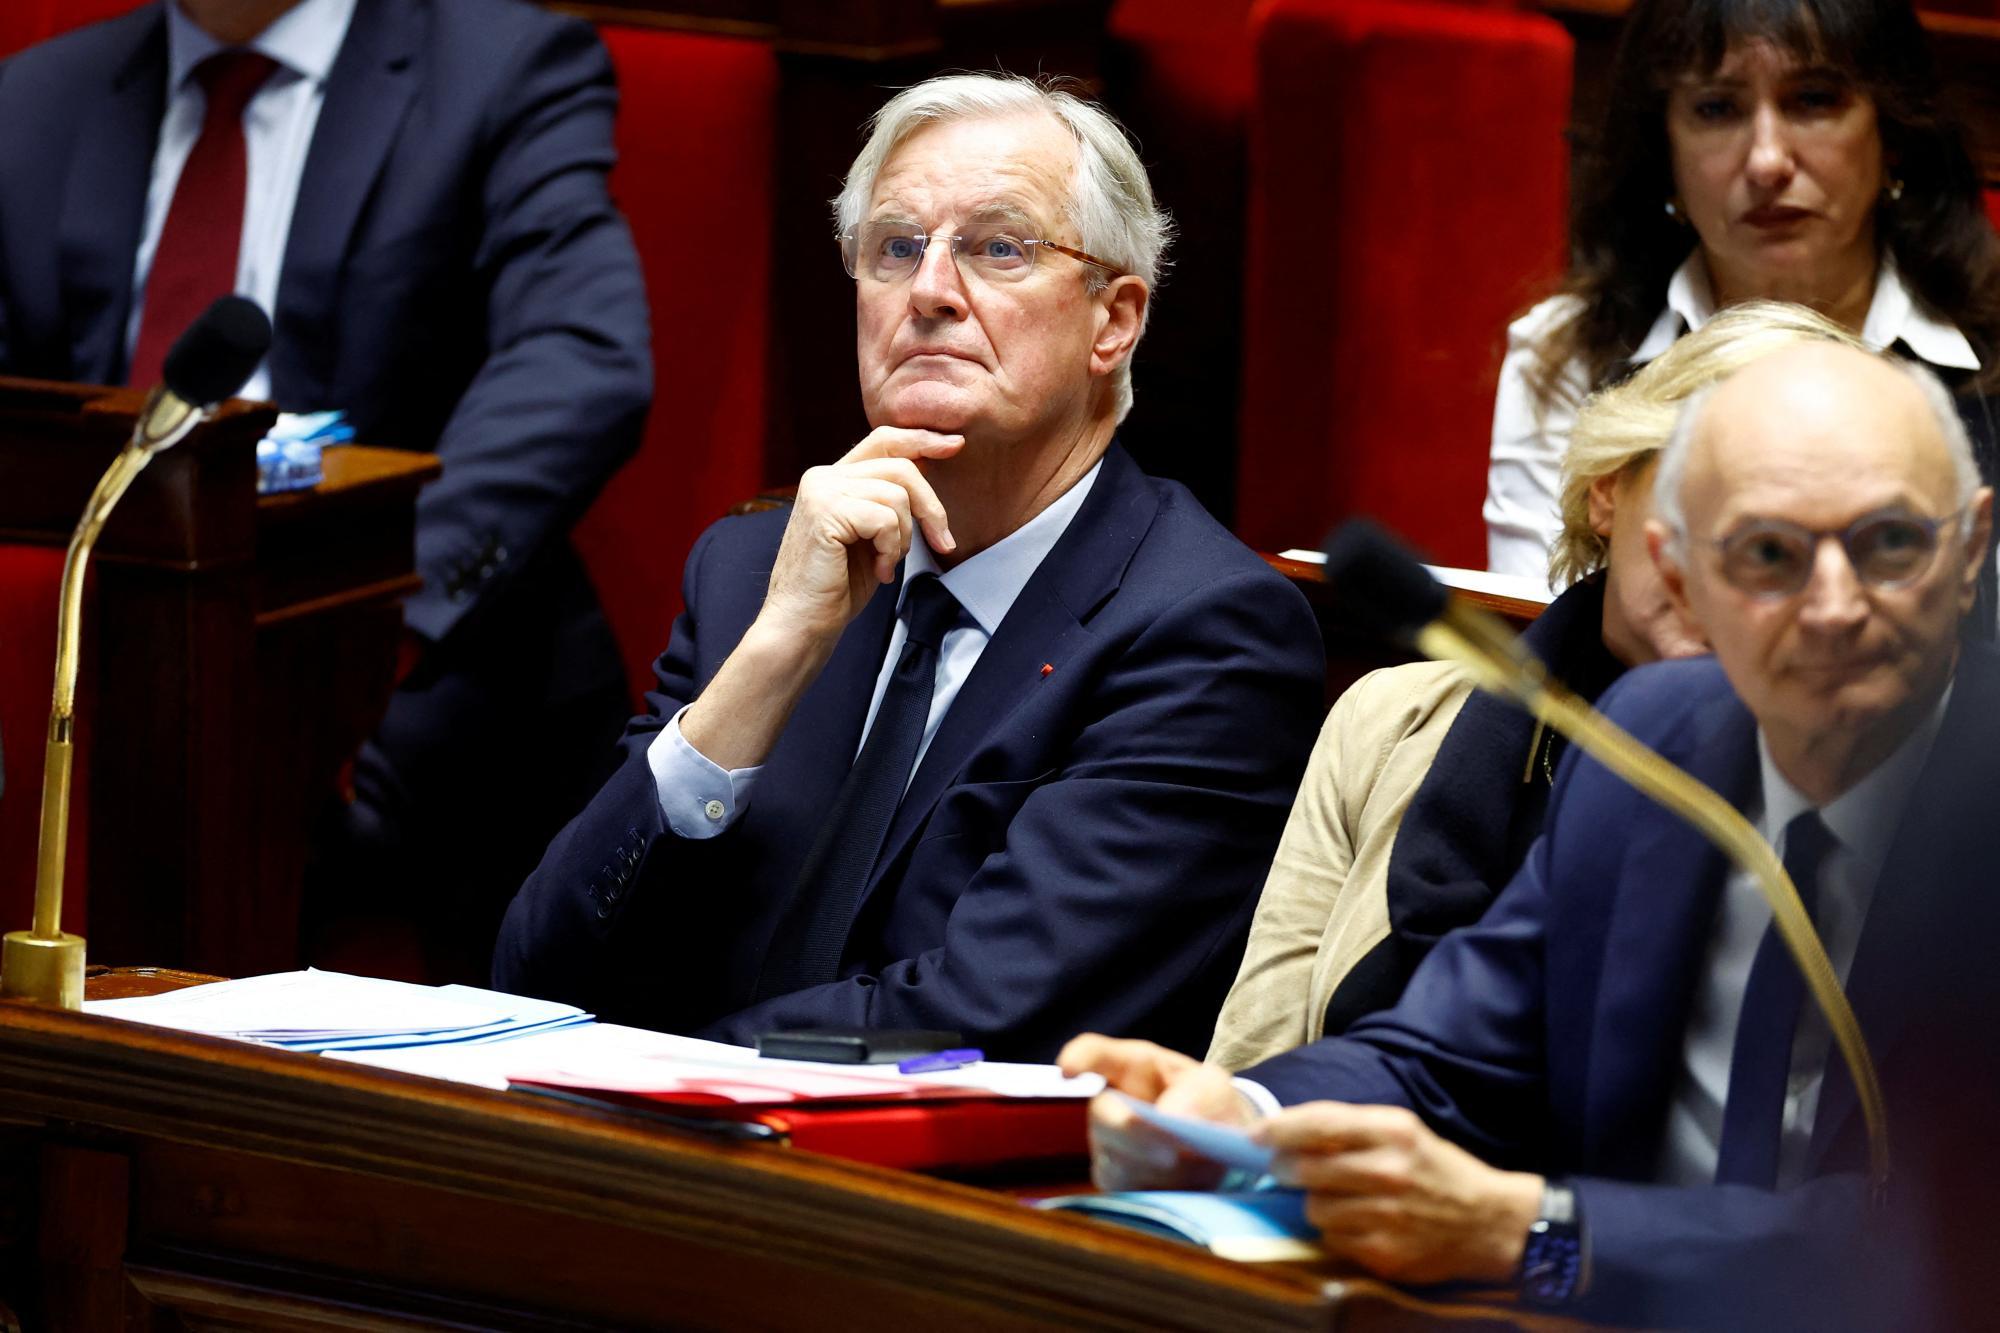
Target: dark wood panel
{"type": "Point", "coordinates": [269, 1188]}
{"type": "Point", "coordinates": [242, 648]}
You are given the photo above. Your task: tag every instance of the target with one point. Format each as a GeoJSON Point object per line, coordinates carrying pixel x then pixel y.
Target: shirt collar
{"type": "Point", "coordinates": [987, 584]}
{"type": "Point", "coordinates": [304, 39]}
{"type": "Point", "coordinates": [1864, 817]}
{"type": "Point", "coordinates": [1893, 316]}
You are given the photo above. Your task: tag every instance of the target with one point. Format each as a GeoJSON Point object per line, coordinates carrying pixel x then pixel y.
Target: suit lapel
{"type": "Point", "coordinates": [104, 205]}
{"type": "Point", "coordinates": [1081, 570]}
{"type": "Point", "coordinates": [1654, 949]}
{"type": "Point", "coordinates": [368, 94]}
{"type": "Point", "coordinates": [1914, 901]}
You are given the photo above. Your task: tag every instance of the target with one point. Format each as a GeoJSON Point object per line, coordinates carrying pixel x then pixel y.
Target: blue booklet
{"type": "Point", "coordinates": [1256, 1226]}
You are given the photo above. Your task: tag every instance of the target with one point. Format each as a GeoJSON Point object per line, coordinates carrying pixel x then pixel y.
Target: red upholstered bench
{"type": "Point", "coordinates": [25, 22]}
{"type": "Point", "coordinates": [695, 149]}
{"type": "Point", "coordinates": [29, 580]}
{"type": "Point", "coordinates": [1408, 195]}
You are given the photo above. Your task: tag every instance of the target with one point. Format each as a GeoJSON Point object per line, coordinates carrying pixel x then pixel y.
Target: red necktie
{"type": "Point", "coordinates": [195, 261]}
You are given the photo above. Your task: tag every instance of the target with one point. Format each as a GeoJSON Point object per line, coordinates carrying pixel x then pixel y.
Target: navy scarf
{"type": "Point", "coordinates": [1479, 809]}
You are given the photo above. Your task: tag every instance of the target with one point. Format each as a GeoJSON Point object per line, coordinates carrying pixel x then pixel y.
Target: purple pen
{"type": "Point", "coordinates": [939, 1061]}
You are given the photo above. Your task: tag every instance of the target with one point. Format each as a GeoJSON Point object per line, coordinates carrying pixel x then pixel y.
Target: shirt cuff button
{"type": "Point", "coordinates": [715, 811]}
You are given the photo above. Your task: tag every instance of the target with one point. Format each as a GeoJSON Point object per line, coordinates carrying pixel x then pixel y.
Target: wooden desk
{"type": "Point", "coordinates": [152, 1180]}
{"type": "Point", "coordinates": [242, 646]}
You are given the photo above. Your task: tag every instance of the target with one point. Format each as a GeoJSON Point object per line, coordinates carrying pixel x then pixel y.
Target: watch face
{"type": "Point", "coordinates": [1551, 1263]}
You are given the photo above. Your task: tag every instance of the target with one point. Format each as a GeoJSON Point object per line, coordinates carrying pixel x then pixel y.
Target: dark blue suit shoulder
{"type": "Point", "coordinates": [41, 82]}
{"type": "Point", "coordinates": [1656, 698]}
{"type": "Point", "coordinates": [1197, 551]}
{"type": "Point", "coordinates": [508, 20]}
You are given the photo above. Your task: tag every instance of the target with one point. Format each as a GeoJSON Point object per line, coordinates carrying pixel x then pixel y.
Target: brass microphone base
{"type": "Point", "coordinates": [47, 969]}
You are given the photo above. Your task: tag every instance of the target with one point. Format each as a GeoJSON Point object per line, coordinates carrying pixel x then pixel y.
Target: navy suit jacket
{"type": "Point", "coordinates": [1548, 1036]}
{"type": "Point", "coordinates": [1080, 848]}
{"type": "Point", "coordinates": [456, 277]}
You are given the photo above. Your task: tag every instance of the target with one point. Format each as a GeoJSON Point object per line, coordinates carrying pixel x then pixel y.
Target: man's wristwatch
{"type": "Point", "coordinates": [1552, 1266]}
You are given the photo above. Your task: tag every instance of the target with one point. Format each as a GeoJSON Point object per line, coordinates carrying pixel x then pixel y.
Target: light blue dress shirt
{"type": "Point", "coordinates": [701, 799]}
{"type": "Point", "coordinates": [277, 132]}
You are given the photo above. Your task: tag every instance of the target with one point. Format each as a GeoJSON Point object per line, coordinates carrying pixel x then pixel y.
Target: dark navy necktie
{"type": "Point", "coordinates": [1761, 1063]}
{"type": "Point", "coordinates": [810, 939]}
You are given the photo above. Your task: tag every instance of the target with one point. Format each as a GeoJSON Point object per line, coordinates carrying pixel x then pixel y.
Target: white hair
{"type": "Point", "coordinates": [1110, 200]}
{"type": "Point", "coordinates": [1669, 504]}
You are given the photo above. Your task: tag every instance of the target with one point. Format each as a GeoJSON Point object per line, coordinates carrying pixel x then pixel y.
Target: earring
{"type": "Point", "coordinates": [1895, 190]}
{"type": "Point", "coordinates": [1674, 211]}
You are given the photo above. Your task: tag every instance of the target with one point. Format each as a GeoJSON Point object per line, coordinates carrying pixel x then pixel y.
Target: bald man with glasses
{"type": "Point", "coordinates": [1613, 1090]}
{"type": "Point", "coordinates": [990, 732]}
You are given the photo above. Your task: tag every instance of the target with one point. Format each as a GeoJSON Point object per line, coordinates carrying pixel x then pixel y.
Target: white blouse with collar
{"type": "Point", "coordinates": [1524, 478]}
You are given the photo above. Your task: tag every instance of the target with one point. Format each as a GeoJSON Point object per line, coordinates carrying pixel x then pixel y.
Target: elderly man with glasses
{"type": "Point", "coordinates": [989, 733]}
{"type": "Point", "coordinates": [1613, 1088]}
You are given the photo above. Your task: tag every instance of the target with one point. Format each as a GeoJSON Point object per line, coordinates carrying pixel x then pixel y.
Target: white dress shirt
{"type": "Point", "coordinates": [1523, 509]}
{"type": "Point", "coordinates": [1864, 821]}
{"type": "Point", "coordinates": [700, 798]}
{"type": "Point", "coordinates": [277, 132]}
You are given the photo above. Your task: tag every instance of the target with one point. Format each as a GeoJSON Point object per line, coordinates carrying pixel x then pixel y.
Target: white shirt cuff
{"type": "Point", "coordinates": [699, 797]}
{"type": "Point", "coordinates": [1259, 1097]}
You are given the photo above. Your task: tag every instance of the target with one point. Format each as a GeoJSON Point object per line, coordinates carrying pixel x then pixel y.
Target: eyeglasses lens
{"type": "Point", "coordinates": [1888, 551]}
{"type": "Point", "coordinates": [891, 252]}
{"type": "Point", "coordinates": [1776, 559]}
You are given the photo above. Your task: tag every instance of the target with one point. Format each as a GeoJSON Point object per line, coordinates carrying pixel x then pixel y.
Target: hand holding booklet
{"type": "Point", "coordinates": [1255, 1225]}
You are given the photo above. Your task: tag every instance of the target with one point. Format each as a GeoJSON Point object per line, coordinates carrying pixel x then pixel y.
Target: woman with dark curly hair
{"type": "Point", "coordinates": [1790, 149]}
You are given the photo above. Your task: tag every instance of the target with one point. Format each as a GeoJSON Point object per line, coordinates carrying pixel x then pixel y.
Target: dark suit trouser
{"type": "Point", "coordinates": [491, 744]}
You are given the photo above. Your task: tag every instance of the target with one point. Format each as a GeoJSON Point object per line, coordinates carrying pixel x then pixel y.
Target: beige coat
{"type": "Point", "coordinates": [1325, 902]}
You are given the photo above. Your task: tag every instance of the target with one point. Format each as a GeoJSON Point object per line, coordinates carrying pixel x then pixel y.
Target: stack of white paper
{"type": "Point", "coordinates": [321, 1011]}
{"type": "Point", "coordinates": [607, 1056]}
{"type": "Point", "coordinates": [488, 1038]}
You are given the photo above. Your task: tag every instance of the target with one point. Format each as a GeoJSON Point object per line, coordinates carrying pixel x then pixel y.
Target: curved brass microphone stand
{"type": "Point", "coordinates": [1484, 647]}
{"type": "Point", "coordinates": [45, 963]}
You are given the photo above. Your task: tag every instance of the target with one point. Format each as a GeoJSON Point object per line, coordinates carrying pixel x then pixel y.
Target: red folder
{"type": "Point", "coordinates": [934, 1133]}
{"type": "Point", "coordinates": [928, 1136]}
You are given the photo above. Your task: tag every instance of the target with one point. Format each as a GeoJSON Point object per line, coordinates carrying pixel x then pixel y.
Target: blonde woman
{"type": "Point", "coordinates": [1421, 798]}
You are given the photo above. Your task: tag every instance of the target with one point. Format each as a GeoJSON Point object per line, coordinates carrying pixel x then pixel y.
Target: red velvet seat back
{"type": "Point", "coordinates": [696, 134]}
{"type": "Point", "coordinates": [30, 577]}
{"type": "Point", "coordinates": [1408, 195]}
{"type": "Point", "coordinates": [25, 22]}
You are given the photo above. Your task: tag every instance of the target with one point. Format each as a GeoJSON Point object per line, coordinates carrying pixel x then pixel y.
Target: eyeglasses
{"type": "Point", "coordinates": [892, 251]}
{"type": "Point", "coordinates": [1768, 557]}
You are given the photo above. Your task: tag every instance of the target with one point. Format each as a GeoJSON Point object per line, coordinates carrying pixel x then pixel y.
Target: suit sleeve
{"type": "Point", "coordinates": [1120, 895]}
{"type": "Point", "coordinates": [562, 393]}
{"type": "Point", "coordinates": [6, 296]}
{"type": "Point", "coordinates": [556, 931]}
{"type": "Point", "coordinates": [1731, 1254]}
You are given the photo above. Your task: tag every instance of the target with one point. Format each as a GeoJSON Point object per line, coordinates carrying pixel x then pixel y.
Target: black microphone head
{"type": "Point", "coordinates": [218, 352]}
{"type": "Point", "coordinates": [1379, 583]}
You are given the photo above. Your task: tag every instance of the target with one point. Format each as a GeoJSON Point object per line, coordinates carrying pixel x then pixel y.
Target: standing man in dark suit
{"type": "Point", "coordinates": [415, 189]}
{"type": "Point", "coordinates": [1613, 1084]}
{"type": "Point", "coordinates": [1080, 707]}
